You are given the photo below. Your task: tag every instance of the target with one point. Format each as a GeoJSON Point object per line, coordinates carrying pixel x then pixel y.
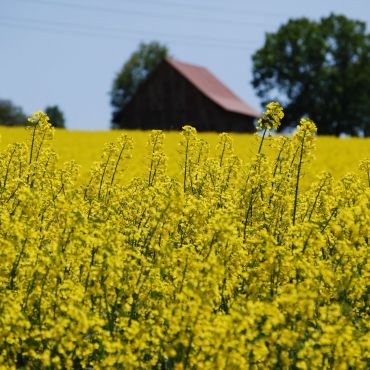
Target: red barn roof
{"type": "Point", "coordinates": [213, 88]}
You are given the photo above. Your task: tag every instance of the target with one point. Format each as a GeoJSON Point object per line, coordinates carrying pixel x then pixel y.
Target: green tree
{"type": "Point", "coordinates": [11, 115]}
{"type": "Point", "coordinates": [56, 116]}
{"type": "Point", "coordinates": [143, 61]}
{"type": "Point", "coordinates": [318, 69]}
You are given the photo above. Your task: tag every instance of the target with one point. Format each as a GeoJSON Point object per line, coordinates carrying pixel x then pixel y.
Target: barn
{"type": "Point", "coordinates": [177, 93]}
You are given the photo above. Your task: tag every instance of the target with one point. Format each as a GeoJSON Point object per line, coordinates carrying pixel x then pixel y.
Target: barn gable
{"type": "Point", "coordinates": [178, 93]}
{"type": "Point", "coordinates": [212, 87]}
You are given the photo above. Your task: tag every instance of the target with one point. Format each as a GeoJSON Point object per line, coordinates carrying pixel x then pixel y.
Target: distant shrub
{"type": "Point", "coordinates": [11, 115]}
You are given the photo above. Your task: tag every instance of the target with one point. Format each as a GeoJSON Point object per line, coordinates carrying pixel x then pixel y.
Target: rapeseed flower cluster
{"type": "Point", "coordinates": [272, 117]}
{"type": "Point", "coordinates": [227, 265]}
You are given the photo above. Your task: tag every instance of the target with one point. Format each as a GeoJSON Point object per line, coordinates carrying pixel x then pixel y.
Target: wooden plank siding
{"type": "Point", "coordinates": [167, 100]}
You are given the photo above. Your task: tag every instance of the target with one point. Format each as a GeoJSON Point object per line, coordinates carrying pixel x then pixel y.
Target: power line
{"type": "Point", "coordinates": [144, 13]}
{"type": "Point", "coordinates": [116, 30]}
{"type": "Point", "coordinates": [90, 33]}
{"type": "Point", "coordinates": [244, 12]}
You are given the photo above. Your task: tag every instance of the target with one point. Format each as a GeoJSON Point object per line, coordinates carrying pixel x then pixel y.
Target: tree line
{"type": "Point", "coordinates": [317, 69]}
{"type": "Point", "coordinates": [13, 115]}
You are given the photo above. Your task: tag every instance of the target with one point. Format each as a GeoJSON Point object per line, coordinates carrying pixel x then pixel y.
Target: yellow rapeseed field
{"type": "Point", "coordinates": [184, 251]}
{"type": "Point", "coordinates": [338, 156]}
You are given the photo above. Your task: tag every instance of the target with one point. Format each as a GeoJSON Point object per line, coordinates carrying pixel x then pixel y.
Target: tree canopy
{"type": "Point", "coordinates": [56, 116]}
{"type": "Point", "coordinates": [11, 115]}
{"type": "Point", "coordinates": [319, 69]}
{"type": "Point", "coordinates": [143, 61]}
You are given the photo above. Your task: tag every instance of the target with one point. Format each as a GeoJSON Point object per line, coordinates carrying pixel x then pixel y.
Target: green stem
{"type": "Point", "coordinates": [263, 138]}
{"type": "Point", "coordinates": [222, 153]}
{"type": "Point", "coordinates": [150, 180]}
{"type": "Point", "coordinates": [13, 272]}
{"type": "Point", "coordinates": [103, 175]}
{"type": "Point", "coordinates": [33, 141]}
{"type": "Point", "coordinates": [39, 148]}
{"type": "Point", "coordinates": [117, 163]}
{"type": "Point", "coordinates": [297, 182]}
{"type": "Point", "coordinates": [315, 201]}
{"type": "Point", "coordinates": [8, 166]}
{"type": "Point", "coordinates": [186, 163]}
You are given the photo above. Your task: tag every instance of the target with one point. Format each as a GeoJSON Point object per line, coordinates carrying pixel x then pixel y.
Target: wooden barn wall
{"type": "Point", "coordinates": [168, 101]}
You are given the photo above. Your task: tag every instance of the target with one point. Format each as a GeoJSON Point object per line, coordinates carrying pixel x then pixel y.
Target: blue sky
{"type": "Point", "coordinates": [67, 52]}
